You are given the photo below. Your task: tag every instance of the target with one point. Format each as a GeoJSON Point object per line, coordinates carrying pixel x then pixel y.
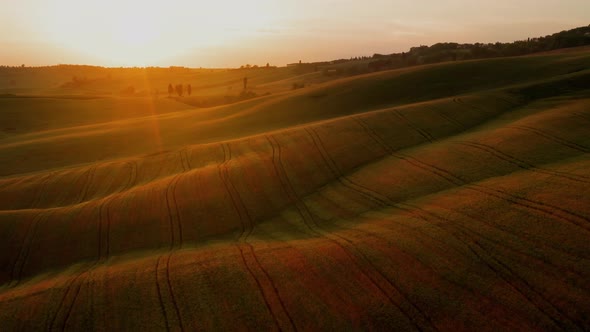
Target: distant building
{"type": "Point", "coordinates": [294, 64]}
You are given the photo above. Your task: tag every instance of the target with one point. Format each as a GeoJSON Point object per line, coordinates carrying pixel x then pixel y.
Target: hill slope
{"type": "Point", "coordinates": [444, 197]}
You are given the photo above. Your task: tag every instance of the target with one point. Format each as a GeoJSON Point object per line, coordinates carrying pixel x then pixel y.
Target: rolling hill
{"type": "Point", "coordinates": [444, 197]}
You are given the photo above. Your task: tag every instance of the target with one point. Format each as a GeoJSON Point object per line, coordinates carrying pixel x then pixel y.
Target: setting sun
{"type": "Point", "coordinates": [138, 33]}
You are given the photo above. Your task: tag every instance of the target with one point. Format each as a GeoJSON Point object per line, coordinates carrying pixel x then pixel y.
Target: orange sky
{"type": "Point", "coordinates": [225, 33]}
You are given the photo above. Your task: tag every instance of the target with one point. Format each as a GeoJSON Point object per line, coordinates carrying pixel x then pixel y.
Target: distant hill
{"type": "Point", "coordinates": [451, 51]}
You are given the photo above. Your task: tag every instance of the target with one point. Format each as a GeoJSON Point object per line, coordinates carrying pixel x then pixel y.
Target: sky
{"type": "Point", "coordinates": [227, 33]}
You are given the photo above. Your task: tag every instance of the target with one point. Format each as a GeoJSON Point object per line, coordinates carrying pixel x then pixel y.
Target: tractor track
{"type": "Point", "coordinates": [170, 196]}
{"type": "Point", "coordinates": [159, 292]}
{"type": "Point", "coordinates": [104, 218]}
{"type": "Point", "coordinates": [383, 200]}
{"type": "Point", "coordinates": [582, 116]}
{"type": "Point", "coordinates": [450, 119]}
{"type": "Point", "coordinates": [84, 271]}
{"type": "Point", "coordinates": [460, 101]}
{"type": "Point", "coordinates": [246, 229]}
{"type": "Point", "coordinates": [170, 290]}
{"type": "Point", "coordinates": [89, 178]}
{"type": "Point", "coordinates": [75, 282]}
{"type": "Point", "coordinates": [418, 318]}
{"type": "Point", "coordinates": [525, 203]}
{"type": "Point", "coordinates": [509, 274]}
{"type": "Point", "coordinates": [62, 303]}
{"type": "Point", "coordinates": [523, 164]}
{"type": "Point", "coordinates": [411, 209]}
{"type": "Point", "coordinates": [553, 138]}
{"type": "Point", "coordinates": [532, 243]}
{"type": "Point", "coordinates": [182, 162]}
{"type": "Point", "coordinates": [419, 212]}
{"type": "Point", "coordinates": [187, 159]}
{"type": "Point", "coordinates": [176, 241]}
{"type": "Point", "coordinates": [23, 254]}
{"type": "Point", "coordinates": [132, 175]}
{"type": "Point", "coordinates": [419, 130]}
{"type": "Point", "coordinates": [37, 199]}
{"type": "Point", "coordinates": [77, 289]}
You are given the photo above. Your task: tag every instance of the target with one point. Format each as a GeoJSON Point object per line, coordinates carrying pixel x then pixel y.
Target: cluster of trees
{"type": "Point", "coordinates": [21, 66]}
{"type": "Point", "coordinates": [454, 51]}
{"type": "Point", "coordinates": [179, 89]}
{"type": "Point", "coordinates": [441, 52]}
{"type": "Point", "coordinates": [248, 66]}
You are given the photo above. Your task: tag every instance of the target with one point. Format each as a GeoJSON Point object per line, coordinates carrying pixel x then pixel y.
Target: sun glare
{"type": "Point", "coordinates": [137, 33]}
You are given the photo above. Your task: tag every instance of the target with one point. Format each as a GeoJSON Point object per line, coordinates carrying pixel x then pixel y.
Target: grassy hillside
{"type": "Point", "coordinates": [443, 197]}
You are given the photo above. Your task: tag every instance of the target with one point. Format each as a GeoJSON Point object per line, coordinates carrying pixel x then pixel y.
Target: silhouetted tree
{"type": "Point", "coordinates": [170, 89]}
{"type": "Point", "coordinates": [179, 90]}
{"type": "Point", "coordinates": [189, 89]}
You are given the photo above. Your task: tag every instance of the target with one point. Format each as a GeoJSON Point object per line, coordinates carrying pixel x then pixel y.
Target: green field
{"type": "Point", "coordinates": [446, 197]}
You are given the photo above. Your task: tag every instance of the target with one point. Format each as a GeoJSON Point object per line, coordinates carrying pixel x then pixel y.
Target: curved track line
{"type": "Point", "coordinates": [172, 296]}
{"type": "Point", "coordinates": [499, 262]}
{"type": "Point", "coordinates": [34, 204]}
{"type": "Point", "coordinates": [286, 184]}
{"type": "Point", "coordinates": [171, 196]}
{"type": "Point", "coordinates": [460, 101]}
{"type": "Point", "coordinates": [104, 218]}
{"type": "Point", "coordinates": [450, 119]}
{"type": "Point", "coordinates": [89, 178]}
{"type": "Point", "coordinates": [246, 229]}
{"type": "Point", "coordinates": [17, 270]}
{"type": "Point", "coordinates": [582, 116]}
{"type": "Point", "coordinates": [510, 272]}
{"type": "Point", "coordinates": [181, 156]}
{"type": "Point", "coordinates": [411, 211]}
{"type": "Point", "coordinates": [559, 140]}
{"type": "Point", "coordinates": [84, 272]}
{"type": "Point", "coordinates": [546, 208]}
{"type": "Point", "coordinates": [159, 292]}
{"type": "Point", "coordinates": [419, 319]}
{"type": "Point", "coordinates": [531, 243]}
{"type": "Point", "coordinates": [421, 131]}
{"type": "Point", "coordinates": [460, 182]}
{"type": "Point", "coordinates": [388, 242]}
{"type": "Point", "coordinates": [455, 180]}
{"type": "Point", "coordinates": [178, 219]}
{"type": "Point", "coordinates": [175, 244]}
{"type": "Point", "coordinates": [224, 174]}
{"type": "Point", "coordinates": [75, 297]}
{"type": "Point", "coordinates": [187, 159]}
{"type": "Point", "coordinates": [523, 164]}
{"type": "Point", "coordinates": [132, 175]}
{"type": "Point", "coordinates": [170, 188]}
{"type": "Point", "coordinates": [62, 304]}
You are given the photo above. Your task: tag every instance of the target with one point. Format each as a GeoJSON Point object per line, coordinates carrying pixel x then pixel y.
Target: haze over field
{"type": "Point", "coordinates": [228, 33]}
{"type": "Point", "coordinates": [420, 188]}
